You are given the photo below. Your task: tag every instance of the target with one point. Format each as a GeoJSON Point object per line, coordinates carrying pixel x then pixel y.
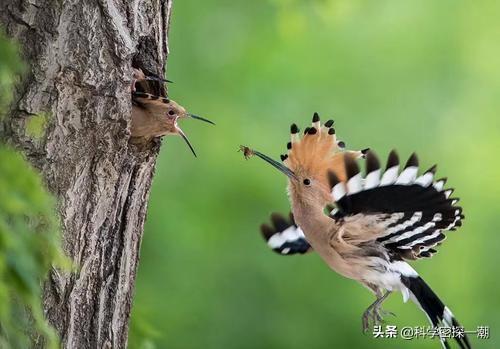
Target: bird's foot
{"type": "Point", "coordinates": [369, 319]}
{"type": "Point", "coordinates": [385, 313]}
{"type": "Point", "coordinates": [374, 316]}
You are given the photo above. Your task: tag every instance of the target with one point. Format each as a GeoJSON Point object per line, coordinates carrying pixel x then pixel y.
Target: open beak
{"type": "Point", "coordinates": [247, 152]}
{"type": "Point", "coordinates": [184, 137]}
{"type": "Point", "coordinates": [200, 118]}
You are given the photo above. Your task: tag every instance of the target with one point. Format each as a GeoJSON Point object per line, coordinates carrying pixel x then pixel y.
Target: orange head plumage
{"type": "Point", "coordinates": [318, 151]}
{"type": "Point", "coordinates": [310, 157]}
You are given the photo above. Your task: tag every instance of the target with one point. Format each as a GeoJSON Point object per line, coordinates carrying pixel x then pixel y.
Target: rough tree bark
{"type": "Point", "coordinates": [78, 80]}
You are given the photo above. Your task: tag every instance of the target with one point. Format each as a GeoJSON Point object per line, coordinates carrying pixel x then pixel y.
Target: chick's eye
{"type": "Point", "coordinates": [307, 181]}
{"type": "Point", "coordinates": [171, 112]}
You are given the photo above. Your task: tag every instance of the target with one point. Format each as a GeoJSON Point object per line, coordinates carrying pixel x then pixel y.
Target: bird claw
{"type": "Point", "coordinates": [369, 318]}
{"type": "Point", "coordinates": [365, 321]}
{"type": "Point", "coordinates": [386, 312]}
{"type": "Point", "coordinates": [374, 316]}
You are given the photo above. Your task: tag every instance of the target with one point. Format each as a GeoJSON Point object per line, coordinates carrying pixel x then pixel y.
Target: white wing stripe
{"type": "Point", "coordinates": [372, 179]}
{"type": "Point", "coordinates": [425, 238]}
{"type": "Point", "coordinates": [416, 231]}
{"type": "Point", "coordinates": [338, 191]}
{"type": "Point", "coordinates": [354, 184]}
{"type": "Point", "coordinates": [394, 218]}
{"type": "Point", "coordinates": [439, 185]}
{"type": "Point", "coordinates": [451, 225]}
{"type": "Point", "coordinates": [403, 268]}
{"type": "Point", "coordinates": [291, 233]}
{"type": "Point", "coordinates": [414, 219]}
{"type": "Point", "coordinates": [390, 176]}
{"type": "Point", "coordinates": [425, 180]}
{"type": "Point", "coordinates": [408, 175]}
{"type": "Point", "coordinates": [438, 217]}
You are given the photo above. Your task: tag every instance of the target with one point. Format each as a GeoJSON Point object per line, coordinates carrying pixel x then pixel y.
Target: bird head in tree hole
{"type": "Point", "coordinates": [156, 116]}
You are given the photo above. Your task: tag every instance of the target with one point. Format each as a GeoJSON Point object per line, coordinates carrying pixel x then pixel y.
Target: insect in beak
{"type": "Point", "coordinates": [200, 118]}
{"type": "Point", "coordinates": [247, 152]}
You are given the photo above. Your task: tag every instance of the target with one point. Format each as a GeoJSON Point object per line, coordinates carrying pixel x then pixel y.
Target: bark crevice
{"type": "Point", "coordinates": [79, 57]}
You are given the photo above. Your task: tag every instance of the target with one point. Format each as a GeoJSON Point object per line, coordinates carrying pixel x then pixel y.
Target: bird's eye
{"type": "Point", "coordinates": [171, 112]}
{"type": "Point", "coordinates": [307, 181]}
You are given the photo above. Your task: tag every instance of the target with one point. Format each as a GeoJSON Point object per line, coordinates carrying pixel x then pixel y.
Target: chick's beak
{"type": "Point", "coordinates": [184, 137]}
{"type": "Point", "coordinates": [200, 118]}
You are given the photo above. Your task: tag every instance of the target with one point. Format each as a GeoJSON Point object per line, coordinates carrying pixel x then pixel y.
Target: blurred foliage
{"type": "Point", "coordinates": [36, 125]}
{"type": "Point", "coordinates": [417, 76]}
{"type": "Point", "coordinates": [10, 68]}
{"type": "Point", "coordinates": [29, 233]}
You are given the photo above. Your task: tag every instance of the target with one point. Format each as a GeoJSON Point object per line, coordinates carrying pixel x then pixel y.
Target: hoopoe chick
{"type": "Point", "coordinates": [156, 116]}
{"type": "Point", "coordinates": [138, 77]}
{"type": "Point", "coordinates": [380, 219]}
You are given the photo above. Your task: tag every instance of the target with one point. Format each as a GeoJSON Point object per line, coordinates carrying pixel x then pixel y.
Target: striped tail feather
{"type": "Point", "coordinates": [436, 311]}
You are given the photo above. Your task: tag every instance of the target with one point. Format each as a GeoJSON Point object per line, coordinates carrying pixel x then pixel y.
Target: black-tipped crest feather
{"type": "Point", "coordinates": [312, 131]}
{"type": "Point", "coordinates": [329, 123]}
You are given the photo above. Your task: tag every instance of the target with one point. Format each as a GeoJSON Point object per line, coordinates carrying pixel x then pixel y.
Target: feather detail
{"type": "Point", "coordinates": [414, 211]}
{"type": "Point", "coordinates": [318, 152]}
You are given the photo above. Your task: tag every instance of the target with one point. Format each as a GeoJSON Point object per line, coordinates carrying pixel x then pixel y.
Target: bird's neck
{"type": "Point", "coordinates": [320, 231]}
{"type": "Point", "coordinates": [311, 218]}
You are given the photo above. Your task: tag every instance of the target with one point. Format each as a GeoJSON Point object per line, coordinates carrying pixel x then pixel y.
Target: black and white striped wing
{"type": "Point", "coordinates": [284, 236]}
{"type": "Point", "coordinates": [416, 210]}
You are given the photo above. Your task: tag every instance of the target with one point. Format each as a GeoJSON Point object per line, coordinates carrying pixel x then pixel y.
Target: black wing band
{"type": "Point", "coordinates": [284, 236]}
{"type": "Point", "coordinates": [416, 209]}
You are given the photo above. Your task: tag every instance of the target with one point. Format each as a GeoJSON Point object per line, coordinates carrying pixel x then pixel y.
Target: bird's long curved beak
{"type": "Point", "coordinates": [247, 152]}
{"type": "Point", "coordinates": [184, 137]}
{"type": "Point", "coordinates": [202, 119]}
{"type": "Point", "coordinates": [156, 78]}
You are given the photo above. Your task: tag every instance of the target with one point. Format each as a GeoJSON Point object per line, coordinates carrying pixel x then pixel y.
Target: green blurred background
{"type": "Point", "coordinates": [413, 75]}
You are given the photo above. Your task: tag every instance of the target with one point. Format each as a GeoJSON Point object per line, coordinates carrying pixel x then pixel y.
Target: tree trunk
{"type": "Point", "coordinates": [71, 117]}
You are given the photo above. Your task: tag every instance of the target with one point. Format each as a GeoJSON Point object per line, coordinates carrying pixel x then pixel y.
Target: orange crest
{"type": "Point", "coordinates": [317, 151]}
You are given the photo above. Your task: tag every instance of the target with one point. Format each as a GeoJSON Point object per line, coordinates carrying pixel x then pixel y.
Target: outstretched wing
{"type": "Point", "coordinates": [413, 211]}
{"type": "Point", "coordinates": [284, 236]}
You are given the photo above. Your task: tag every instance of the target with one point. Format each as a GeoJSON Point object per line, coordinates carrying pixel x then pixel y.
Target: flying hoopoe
{"type": "Point", "coordinates": [155, 116]}
{"type": "Point", "coordinates": [381, 219]}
